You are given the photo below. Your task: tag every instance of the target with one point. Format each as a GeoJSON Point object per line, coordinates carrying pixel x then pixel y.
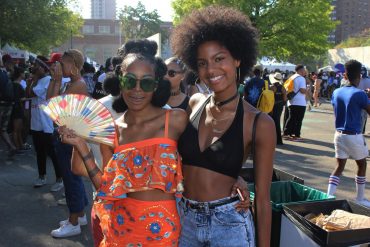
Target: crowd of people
{"type": "Point", "coordinates": [185, 127]}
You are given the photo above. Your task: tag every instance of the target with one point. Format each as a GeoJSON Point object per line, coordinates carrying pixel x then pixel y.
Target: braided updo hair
{"type": "Point", "coordinates": [145, 50]}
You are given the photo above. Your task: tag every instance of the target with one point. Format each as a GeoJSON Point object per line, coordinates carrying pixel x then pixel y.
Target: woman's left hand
{"type": "Point", "coordinates": [68, 136]}
{"type": "Point", "coordinates": [244, 203]}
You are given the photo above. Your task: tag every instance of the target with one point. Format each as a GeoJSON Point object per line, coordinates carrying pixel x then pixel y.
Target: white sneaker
{"type": "Point", "coordinates": [62, 202]}
{"type": "Point", "coordinates": [81, 220]}
{"type": "Point", "coordinates": [66, 230]}
{"type": "Point", "coordinates": [364, 202]}
{"type": "Point", "coordinates": [39, 182]}
{"type": "Point", "coordinates": [57, 186]}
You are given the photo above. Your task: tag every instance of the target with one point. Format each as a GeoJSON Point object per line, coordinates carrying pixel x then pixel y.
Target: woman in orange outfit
{"type": "Point", "coordinates": [144, 164]}
{"type": "Point", "coordinates": [136, 189]}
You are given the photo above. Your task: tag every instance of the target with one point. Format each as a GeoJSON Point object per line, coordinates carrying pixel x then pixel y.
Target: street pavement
{"type": "Point", "coordinates": [27, 214]}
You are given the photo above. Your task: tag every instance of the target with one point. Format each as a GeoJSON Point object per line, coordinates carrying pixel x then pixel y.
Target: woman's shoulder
{"type": "Point", "coordinates": [195, 99]}
{"type": "Point", "coordinates": [177, 113]}
{"type": "Point", "coordinates": [178, 118]}
{"type": "Point", "coordinates": [264, 120]}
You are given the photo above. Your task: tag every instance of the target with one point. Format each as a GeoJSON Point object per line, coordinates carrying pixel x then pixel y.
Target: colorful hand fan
{"type": "Point", "coordinates": [88, 117]}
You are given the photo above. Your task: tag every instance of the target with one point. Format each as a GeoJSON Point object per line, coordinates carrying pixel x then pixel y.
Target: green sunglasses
{"type": "Point", "coordinates": [128, 82]}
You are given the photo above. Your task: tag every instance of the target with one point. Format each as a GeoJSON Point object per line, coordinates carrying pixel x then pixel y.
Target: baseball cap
{"type": "Point", "coordinates": [54, 57]}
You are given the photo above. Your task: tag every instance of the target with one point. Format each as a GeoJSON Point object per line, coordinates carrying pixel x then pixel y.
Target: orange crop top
{"type": "Point", "coordinates": [152, 163]}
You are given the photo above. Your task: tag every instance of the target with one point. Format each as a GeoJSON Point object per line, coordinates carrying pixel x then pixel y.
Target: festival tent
{"type": "Point", "coordinates": [272, 64]}
{"type": "Point", "coordinates": [16, 53]}
{"type": "Point", "coordinates": [326, 69]}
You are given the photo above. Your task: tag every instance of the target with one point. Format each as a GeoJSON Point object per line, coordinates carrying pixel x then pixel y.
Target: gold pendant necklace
{"type": "Point", "coordinates": [215, 121]}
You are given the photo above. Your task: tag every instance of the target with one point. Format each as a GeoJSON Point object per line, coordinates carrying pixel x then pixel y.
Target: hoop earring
{"type": "Point", "coordinates": [238, 74]}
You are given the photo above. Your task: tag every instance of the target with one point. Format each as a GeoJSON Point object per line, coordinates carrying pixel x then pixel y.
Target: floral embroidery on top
{"type": "Point", "coordinates": [153, 165]}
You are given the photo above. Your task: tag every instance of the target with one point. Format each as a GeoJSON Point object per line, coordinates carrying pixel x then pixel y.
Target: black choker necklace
{"type": "Point", "coordinates": [175, 93]}
{"type": "Point", "coordinates": [221, 103]}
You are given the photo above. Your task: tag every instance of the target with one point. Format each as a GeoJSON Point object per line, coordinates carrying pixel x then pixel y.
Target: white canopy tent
{"type": "Point", "coordinates": [272, 64]}
{"type": "Point", "coordinates": [326, 69]}
{"type": "Point", "coordinates": [15, 52]}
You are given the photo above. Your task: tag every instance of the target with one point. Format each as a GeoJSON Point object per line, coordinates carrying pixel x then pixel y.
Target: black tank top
{"type": "Point", "coordinates": [278, 93]}
{"type": "Point", "coordinates": [224, 156]}
{"type": "Point", "coordinates": [184, 104]}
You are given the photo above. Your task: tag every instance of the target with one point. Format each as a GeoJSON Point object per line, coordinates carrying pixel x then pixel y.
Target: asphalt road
{"type": "Point", "coordinates": [27, 215]}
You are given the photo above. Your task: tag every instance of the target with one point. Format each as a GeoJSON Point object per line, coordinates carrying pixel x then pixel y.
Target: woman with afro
{"type": "Point", "coordinates": [220, 45]}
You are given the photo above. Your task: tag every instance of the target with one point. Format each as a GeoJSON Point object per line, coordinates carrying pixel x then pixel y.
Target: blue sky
{"type": "Point", "coordinates": [163, 6]}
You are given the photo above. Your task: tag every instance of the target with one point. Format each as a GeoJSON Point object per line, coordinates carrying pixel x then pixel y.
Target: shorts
{"type": "Point", "coordinates": [5, 113]}
{"type": "Point", "coordinates": [136, 223]}
{"type": "Point", "coordinates": [219, 226]}
{"type": "Point", "coordinates": [350, 146]}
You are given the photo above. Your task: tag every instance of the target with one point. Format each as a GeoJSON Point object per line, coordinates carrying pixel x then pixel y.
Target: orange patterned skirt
{"type": "Point", "coordinates": [134, 223]}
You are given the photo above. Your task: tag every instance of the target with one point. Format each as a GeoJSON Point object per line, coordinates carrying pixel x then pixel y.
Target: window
{"type": "Point", "coordinates": [104, 29]}
{"type": "Point", "coordinates": [88, 29]}
{"type": "Point", "coordinates": [90, 52]}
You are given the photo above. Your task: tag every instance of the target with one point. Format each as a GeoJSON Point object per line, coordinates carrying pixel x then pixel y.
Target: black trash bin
{"type": "Point", "coordinates": [286, 192]}
{"type": "Point", "coordinates": [296, 212]}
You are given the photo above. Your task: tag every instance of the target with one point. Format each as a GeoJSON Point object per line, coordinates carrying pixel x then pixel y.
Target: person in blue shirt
{"type": "Point", "coordinates": [348, 102]}
{"type": "Point", "coordinates": [253, 87]}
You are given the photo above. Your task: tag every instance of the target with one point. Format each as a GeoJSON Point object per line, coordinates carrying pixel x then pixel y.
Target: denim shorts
{"type": "Point", "coordinates": [214, 227]}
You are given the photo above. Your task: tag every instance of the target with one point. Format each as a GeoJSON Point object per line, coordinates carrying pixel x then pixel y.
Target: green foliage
{"type": "Point", "coordinates": [37, 25]}
{"type": "Point", "coordinates": [138, 23]}
{"type": "Point", "coordinates": [363, 39]}
{"type": "Point", "coordinates": [293, 30]}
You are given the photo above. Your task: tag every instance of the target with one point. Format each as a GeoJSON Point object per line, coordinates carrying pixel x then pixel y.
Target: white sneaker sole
{"type": "Point", "coordinates": [70, 234]}
{"type": "Point", "coordinates": [56, 189]}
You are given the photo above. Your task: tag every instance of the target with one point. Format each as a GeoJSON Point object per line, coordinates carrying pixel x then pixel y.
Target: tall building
{"type": "Point", "coordinates": [354, 18]}
{"type": "Point", "coordinates": [103, 9]}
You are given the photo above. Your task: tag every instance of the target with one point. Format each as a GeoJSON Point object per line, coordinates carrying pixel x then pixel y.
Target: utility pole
{"type": "Point", "coordinates": [71, 39]}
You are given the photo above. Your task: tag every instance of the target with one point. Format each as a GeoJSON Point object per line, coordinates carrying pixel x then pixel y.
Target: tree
{"type": "Point", "coordinates": [363, 39]}
{"type": "Point", "coordinates": [37, 25]}
{"type": "Point", "coordinates": [293, 30]}
{"type": "Point", "coordinates": [138, 23]}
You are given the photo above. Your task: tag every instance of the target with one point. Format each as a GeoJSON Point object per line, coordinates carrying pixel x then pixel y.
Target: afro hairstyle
{"type": "Point", "coordinates": [228, 26]}
{"type": "Point", "coordinates": [145, 50]}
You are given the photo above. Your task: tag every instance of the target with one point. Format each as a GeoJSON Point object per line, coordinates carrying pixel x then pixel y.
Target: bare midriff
{"type": "Point", "coordinates": [151, 195]}
{"type": "Point", "coordinates": [205, 185]}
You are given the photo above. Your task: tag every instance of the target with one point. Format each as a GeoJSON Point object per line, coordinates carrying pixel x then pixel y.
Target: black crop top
{"type": "Point", "coordinates": [224, 156]}
{"type": "Point", "coordinates": [184, 104]}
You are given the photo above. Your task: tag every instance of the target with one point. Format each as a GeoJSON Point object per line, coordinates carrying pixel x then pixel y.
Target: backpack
{"type": "Point", "coordinates": [266, 100]}
{"type": "Point", "coordinates": [6, 87]}
{"type": "Point", "coordinates": [289, 87]}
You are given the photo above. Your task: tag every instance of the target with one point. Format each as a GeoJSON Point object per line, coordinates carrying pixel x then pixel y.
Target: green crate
{"type": "Point", "coordinates": [286, 193]}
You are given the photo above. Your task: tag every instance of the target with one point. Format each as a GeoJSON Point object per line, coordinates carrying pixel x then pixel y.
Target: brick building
{"type": "Point", "coordinates": [101, 38]}
{"type": "Point", "coordinates": [354, 17]}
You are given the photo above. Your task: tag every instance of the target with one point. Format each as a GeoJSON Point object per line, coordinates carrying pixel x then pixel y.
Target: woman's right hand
{"type": "Point", "coordinates": [69, 136]}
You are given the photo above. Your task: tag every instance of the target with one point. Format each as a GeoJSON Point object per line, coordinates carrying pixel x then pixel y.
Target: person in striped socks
{"type": "Point", "coordinates": [348, 102]}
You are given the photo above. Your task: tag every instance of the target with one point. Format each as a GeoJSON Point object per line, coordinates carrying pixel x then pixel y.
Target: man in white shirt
{"type": "Point", "coordinates": [296, 106]}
